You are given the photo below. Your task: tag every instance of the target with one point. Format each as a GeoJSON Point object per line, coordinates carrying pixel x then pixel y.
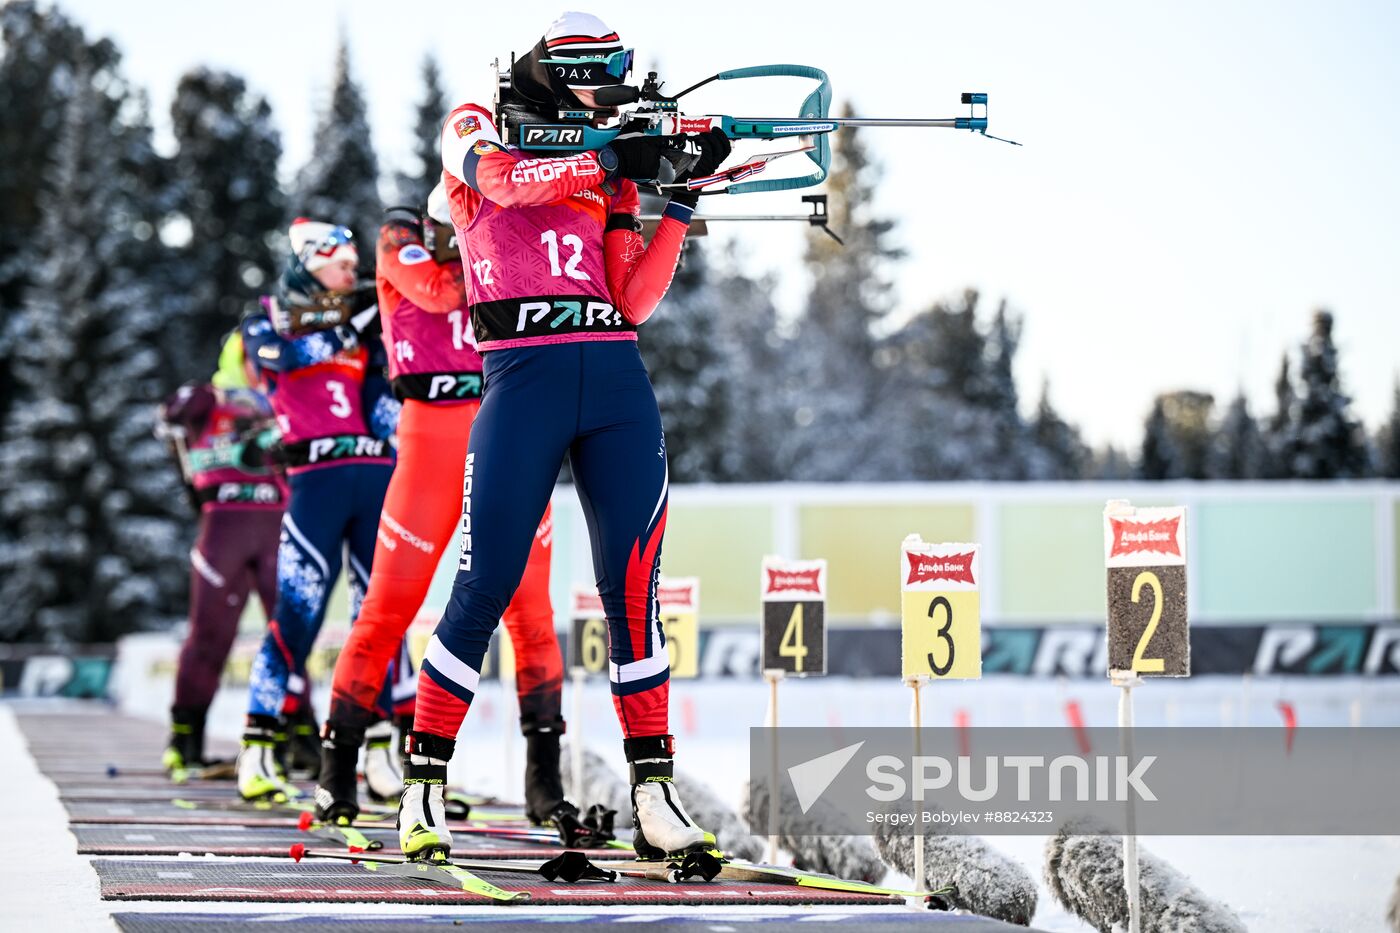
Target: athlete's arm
{"type": "Point", "coordinates": [376, 397]}
{"type": "Point", "coordinates": [639, 274]}
{"type": "Point", "coordinates": [411, 269]}
{"type": "Point", "coordinates": [473, 153]}
{"type": "Point", "coordinates": [274, 352]}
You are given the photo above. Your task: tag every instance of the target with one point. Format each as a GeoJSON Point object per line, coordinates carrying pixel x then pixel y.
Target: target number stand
{"type": "Point", "coordinates": [679, 598]}
{"type": "Point", "coordinates": [941, 615]}
{"type": "Point", "coordinates": [1148, 633]}
{"type": "Point", "coordinates": [793, 636]}
{"type": "Point", "coordinates": [588, 656]}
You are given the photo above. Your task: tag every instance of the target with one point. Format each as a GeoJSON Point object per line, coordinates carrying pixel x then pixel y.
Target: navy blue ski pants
{"type": "Point", "coordinates": [593, 402]}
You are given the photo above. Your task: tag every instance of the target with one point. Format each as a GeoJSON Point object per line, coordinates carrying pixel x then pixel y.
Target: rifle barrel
{"type": "Point", "coordinates": [949, 123]}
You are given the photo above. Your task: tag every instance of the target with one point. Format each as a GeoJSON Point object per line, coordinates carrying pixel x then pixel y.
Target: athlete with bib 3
{"type": "Point", "coordinates": [316, 346]}
{"type": "Point", "coordinates": [436, 371]}
{"type": "Point", "coordinates": [558, 280]}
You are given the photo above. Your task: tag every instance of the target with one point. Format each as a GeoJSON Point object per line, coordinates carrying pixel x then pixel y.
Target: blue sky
{"type": "Point", "coordinates": [1197, 177]}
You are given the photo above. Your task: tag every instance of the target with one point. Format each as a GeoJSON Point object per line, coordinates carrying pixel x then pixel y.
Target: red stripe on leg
{"type": "Point", "coordinates": [437, 711]}
{"type": "Point", "coordinates": [645, 713]}
{"type": "Point", "coordinates": [637, 593]}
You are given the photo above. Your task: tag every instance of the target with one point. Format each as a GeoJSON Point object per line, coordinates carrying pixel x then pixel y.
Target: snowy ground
{"type": "Point", "coordinates": [1276, 884]}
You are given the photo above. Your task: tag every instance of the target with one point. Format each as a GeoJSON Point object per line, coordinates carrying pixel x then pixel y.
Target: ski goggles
{"type": "Point", "coordinates": [591, 70]}
{"type": "Point", "coordinates": [328, 249]}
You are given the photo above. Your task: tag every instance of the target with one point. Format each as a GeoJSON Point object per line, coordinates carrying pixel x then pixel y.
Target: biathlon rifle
{"type": "Point", "coordinates": [660, 115]}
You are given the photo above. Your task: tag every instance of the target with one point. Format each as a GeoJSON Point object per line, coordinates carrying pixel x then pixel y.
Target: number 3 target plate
{"type": "Point", "coordinates": [942, 610]}
{"type": "Point", "coordinates": [1145, 552]}
{"type": "Point", "coordinates": [794, 616]}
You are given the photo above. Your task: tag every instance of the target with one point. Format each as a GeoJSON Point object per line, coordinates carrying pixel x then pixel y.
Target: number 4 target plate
{"type": "Point", "coordinates": [941, 610]}
{"type": "Point", "coordinates": [794, 616]}
{"type": "Point", "coordinates": [1145, 552]}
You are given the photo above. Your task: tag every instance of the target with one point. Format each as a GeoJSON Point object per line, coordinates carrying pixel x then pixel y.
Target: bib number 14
{"type": "Point", "coordinates": [552, 240]}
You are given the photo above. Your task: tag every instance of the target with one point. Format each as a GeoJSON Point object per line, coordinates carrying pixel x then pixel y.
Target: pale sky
{"type": "Point", "coordinates": [1197, 177]}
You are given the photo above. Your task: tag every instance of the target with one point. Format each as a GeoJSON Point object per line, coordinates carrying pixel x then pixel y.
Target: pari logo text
{"type": "Point", "coordinates": [1158, 537]}
{"type": "Point", "coordinates": [924, 568]}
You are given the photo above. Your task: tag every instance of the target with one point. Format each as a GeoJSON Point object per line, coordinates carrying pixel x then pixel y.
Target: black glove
{"type": "Point", "coordinates": [635, 157]}
{"type": "Point", "coordinates": [360, 328]}
{"type": "Point", "coordinates": [714, 149]}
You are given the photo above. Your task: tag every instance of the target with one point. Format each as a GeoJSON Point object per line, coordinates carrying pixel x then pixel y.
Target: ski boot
{"type": "Point", "coordinates": [383, 779]}
{"type": "Point", "coordinates": [544, 793]}
{"type": "Point", "coordinates": [662, 828]}
{"type": "Point", "coordinates": [423, 832]}
{"type": "Point", "coordinates": [185, 751]}
{"type": "Point", "coordinates": [303, 744]}
{"type": "Point", "coordinates": [336, 794]}
{"type": "Point", "coordinates": [259, 777]}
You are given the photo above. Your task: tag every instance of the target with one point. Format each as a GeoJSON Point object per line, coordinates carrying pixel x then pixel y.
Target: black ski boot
{"type": "Point", "coordinates": [662, 828]}
{"type": "Point", "coordinates": [545, 804]}
{"type": "Point", "coordinates": [336, 796]}
{"type": "Point", "coordinates": [185, 750]}
{"type": "Point", "coordinates": [303, 744]}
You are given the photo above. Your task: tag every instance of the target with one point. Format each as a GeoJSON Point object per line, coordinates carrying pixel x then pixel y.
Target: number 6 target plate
{"type": "Point", "coordinates": [588, 632]}
{"type": "Point", "coordinates": [1145, 552]}
{"type": "Point", "coordinates": [794, 616]}
{"type": "Point", "coordinates": [942, 610]}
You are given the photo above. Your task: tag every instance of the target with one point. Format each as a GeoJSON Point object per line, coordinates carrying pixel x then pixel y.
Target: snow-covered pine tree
{"type": "Point", "coordinates": [1331, 443]}
{"type": "Point", "coordinates": [831, 383]}
{"type": "Point", "coordinates": [1061, 453]}
{"type": "Point", "coordinates": [1177, 438]}
{"type": "Point", "coordinates": [425, 171]}
{"type": "Point", "coordinates": [747, 338]}
{"type": "Point", "coordinates": [934, 367]}
{"type": "Point", "coordinates": [688, 371]}
{"type": "Point", "coordinates": [1281, 432]}
{"type": "Point", "coordinates": [100, 529]}
{"type": "Point", "coordinates": [1388, 440]}
{"type": "Point", "coordinates": [227, 193]}
{"type": "Point", "coordinates": [1158, 457]}
{"type": "Point", "coordinates": [1001, 400]}
{"type": "Point", "coordinates": [340, 184]}
{"type": "Point", "coordinates": [40, 49]}
{"type": "Point", "coordinates": [1237, 449]}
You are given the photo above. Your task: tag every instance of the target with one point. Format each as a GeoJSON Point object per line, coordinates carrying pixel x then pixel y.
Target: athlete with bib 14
{"type": "Point", "coordinates": [558, 280]}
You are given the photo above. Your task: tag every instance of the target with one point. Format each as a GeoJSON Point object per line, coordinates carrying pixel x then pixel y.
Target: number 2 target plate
{"type": "Point", "coordinates": [680, 620]}
{"type": "Point", "coordinates": [793, 593]}
{"type": "Point", "coordinates": [1145, 552]}
{"type": "Point", "coordinates": [588, 632]}
{"type": "Point", "coordinates": [941, 610]}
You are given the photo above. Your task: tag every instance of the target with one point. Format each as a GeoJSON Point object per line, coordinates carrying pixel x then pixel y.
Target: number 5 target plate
{"type": "Point", "coordinates": [942, 610]}
{"type": "Point", "coordinates": [794, 616]}
{"type": "Point", "coordinates": [680, 620]}
{"type": "Point", "coordinates": [588, 632]}
{"type": "Point", "coordinates": [1145, 552]}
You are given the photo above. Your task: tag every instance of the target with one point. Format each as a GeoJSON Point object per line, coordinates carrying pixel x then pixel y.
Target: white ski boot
{"type": "Point", "coordinates": [383, 779]}
{"type": "Point", "coordinates": [662, 828]}
{"type": "Point", "coordinates": [423, 832]}
{"type": "Point", "coordinates": [259, 777]}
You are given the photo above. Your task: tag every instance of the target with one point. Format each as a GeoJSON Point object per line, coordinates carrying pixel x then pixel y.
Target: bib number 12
{"type": "Point", "coordinates": [570, 240]}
